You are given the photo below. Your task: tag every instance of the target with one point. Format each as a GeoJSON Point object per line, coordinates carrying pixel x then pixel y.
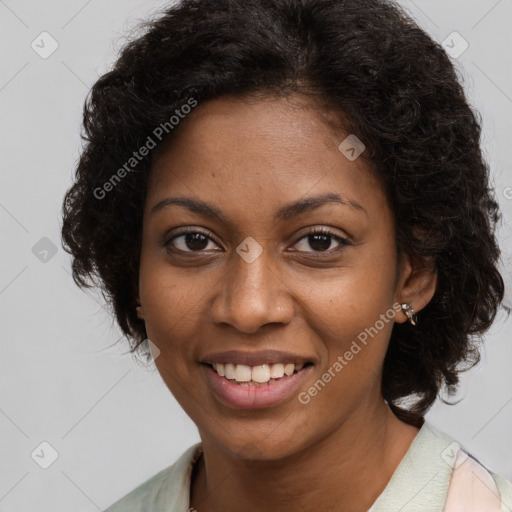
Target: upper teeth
{"type": "Point", "coordinates": [262, 373]}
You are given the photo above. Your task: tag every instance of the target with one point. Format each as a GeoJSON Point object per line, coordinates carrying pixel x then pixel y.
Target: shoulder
{"type": "Point", "coordinates": [169, 489]}
{"type": "Point", "coordinates": [505, 490]}
{"type": "Point", "coordinates": [474, 482]}
{"type": "Point", "coordinates": [146, 494]}
{"type": "Point", "coordinates": [424, 478]}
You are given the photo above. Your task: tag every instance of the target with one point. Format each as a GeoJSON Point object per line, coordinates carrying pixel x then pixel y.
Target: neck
{"type": "Point", "coordinates": [346, 470]}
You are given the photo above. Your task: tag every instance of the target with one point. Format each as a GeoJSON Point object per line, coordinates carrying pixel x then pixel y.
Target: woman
{"type": "Point", "coordinates": [289, 200]}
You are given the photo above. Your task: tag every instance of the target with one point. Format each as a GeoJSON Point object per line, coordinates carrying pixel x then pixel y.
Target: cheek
{"type": "Point", "coordinates": [351, 298]}
{"type": "Point", "coordinates": [352, 340]}
{"type": "Point", "coordinates": [353, 316]}
{"type": "Point", "coordinates": [172, 304]}
{"type": "Point", "coordinates": [356, 324]}
{"type": "Point", "coordinates": [171, 312]}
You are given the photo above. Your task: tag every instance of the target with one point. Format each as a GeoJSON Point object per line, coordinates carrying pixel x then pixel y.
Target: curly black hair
{"type": "Point", "coordinates": [394, 87]}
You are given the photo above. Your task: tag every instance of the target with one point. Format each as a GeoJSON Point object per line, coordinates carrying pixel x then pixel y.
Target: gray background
{"type": "Point", "coordinates": [112, 422]}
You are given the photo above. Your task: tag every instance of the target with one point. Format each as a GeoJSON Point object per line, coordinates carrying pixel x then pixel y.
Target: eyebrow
{"type": "Point", "coordinates": [283, 213]}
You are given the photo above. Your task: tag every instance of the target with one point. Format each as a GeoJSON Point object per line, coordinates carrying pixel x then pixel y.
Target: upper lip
{"type": "Point", "coordinates": [255, 358]}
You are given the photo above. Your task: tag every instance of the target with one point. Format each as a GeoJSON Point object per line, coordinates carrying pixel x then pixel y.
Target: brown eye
{"type": "Point", "coordinates": [189, 241]}
{"type": "Point", "coordinates": [321, 241]}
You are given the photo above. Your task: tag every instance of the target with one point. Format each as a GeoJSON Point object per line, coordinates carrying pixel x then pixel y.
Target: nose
{"type": "Point", "coordinates": [252, 295]}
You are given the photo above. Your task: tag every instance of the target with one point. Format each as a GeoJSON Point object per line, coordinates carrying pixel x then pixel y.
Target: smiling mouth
{"type": "Point", "coordinates": [261, 375]}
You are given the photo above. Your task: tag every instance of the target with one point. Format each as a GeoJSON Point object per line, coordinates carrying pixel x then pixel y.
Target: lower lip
{"type": "Point", "coordinates": [255, 397]}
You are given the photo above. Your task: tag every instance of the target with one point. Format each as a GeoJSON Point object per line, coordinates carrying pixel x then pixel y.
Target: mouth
{"type": "Point", "coordinates": [260, 375]}
{"type": "Point", "coordinates": [255, 387]}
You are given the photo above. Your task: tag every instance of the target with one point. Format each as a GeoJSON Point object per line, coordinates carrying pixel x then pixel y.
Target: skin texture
{"type": "Point", "coordinates": [249, 158]}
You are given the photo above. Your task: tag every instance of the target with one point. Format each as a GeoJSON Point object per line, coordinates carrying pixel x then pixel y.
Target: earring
{"type": "Point", "coordinates": [409, 312]}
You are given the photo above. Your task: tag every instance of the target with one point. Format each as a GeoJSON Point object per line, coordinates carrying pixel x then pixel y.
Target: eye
{"type": "Point", "coordinates": [320, 240]}
{"type": "Point", "coordinates": [190, 240]}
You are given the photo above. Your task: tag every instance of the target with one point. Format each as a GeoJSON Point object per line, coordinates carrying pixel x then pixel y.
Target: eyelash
{"type": "Point", "coordinates": [319, 231]}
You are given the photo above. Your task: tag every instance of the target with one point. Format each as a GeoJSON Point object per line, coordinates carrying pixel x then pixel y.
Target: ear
{"type": "Point", "coordinates": [140, 312]}
{"type": "Point", "coordinates": [417, 283]}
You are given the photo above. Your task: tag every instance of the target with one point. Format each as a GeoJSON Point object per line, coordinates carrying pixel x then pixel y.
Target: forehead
{"type": "Point", "coordinates": [260, 153]}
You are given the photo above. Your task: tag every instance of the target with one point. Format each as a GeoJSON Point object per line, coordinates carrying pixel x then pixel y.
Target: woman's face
{"type": "Point", "coordinates": [257, 278]}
